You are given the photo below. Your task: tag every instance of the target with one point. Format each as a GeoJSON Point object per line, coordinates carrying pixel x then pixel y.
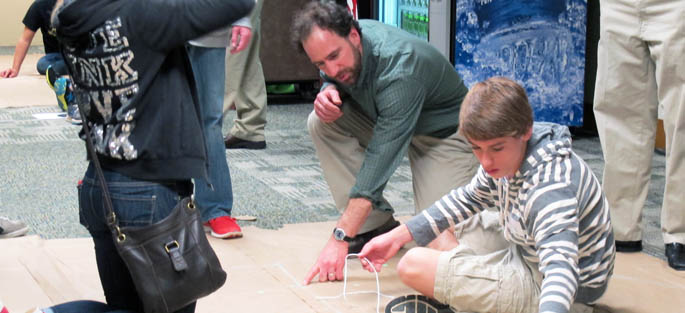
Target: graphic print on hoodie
{"type": "Point", "coordinates": [133, 79]}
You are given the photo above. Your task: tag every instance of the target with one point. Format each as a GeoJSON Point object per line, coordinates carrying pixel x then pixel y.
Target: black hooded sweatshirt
{"type": "Point", "coordinates": [133, 79]}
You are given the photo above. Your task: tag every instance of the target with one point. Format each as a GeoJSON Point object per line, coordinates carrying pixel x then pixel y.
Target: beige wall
{"type": "Point", "coordinates": [11, 27]}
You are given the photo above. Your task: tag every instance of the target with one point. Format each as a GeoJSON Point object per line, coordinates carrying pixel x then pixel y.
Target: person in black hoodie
{"type": "Point", "coordinates": [132, 77]}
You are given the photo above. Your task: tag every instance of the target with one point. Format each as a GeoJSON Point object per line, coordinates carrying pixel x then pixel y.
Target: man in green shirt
{"type": "Point", "coordinates": [386, 94]}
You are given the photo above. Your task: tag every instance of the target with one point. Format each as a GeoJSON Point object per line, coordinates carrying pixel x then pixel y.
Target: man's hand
{"type": "Point", "coordinates": [240, 38]}
{"type": "Point", "coordinates": [331, 261]}
{"type": "Point", "coordinates": [9, 73]}
{"type": "Point", "coordinates": [330, 264]}
{"type": "Point", "coordinates": [382, 248]}
{"type": "Point", "coordinates": [327, 104]}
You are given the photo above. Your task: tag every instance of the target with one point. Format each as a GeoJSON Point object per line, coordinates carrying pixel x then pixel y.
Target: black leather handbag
{"type": "Point", "coordinates": [171, 262]}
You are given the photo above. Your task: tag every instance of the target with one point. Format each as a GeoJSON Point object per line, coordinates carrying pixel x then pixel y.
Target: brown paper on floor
{"type": "Point", "coordinates": [21, 91]}
{"type": "Point", "coordinates": [265, 273]}
{"type": "Point", "coordinates": [642, 283]}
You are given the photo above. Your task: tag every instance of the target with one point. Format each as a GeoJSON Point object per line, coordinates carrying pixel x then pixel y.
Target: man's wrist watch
{"type": "Point", "coordinates": [339, 235]}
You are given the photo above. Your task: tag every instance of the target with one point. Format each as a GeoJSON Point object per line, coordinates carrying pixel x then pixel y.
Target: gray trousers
{"type": "Point", "coordinates": [245, 85]}
{"type": "Point", "coordinates": [437, 165]}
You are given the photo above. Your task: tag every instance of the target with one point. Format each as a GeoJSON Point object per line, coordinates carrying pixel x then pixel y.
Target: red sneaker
{"type": "Point", "coordinates": [224, 227]}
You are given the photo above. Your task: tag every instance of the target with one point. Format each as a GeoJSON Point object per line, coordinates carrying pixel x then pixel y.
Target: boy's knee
{"type": "Point", "coordinates": [409, 267]}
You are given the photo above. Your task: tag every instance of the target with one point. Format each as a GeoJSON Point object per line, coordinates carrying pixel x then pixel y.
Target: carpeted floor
{"type": "Point", "coordinates": [42, 160]}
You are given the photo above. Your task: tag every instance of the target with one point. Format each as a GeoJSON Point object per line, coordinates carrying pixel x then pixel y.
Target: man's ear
{"type": "Point", "coordinates": [354, 36]}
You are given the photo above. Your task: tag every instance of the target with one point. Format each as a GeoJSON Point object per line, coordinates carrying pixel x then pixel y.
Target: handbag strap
{"type": "Point", "coordinates": [111, 217]}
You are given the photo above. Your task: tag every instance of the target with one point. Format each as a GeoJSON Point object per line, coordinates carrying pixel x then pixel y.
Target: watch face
{"type": "Point", "coordinates": [339, 234]}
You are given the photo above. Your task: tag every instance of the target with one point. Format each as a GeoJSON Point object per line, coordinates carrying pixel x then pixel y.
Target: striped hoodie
{"type": "Point", "coordinates": [553, 209]}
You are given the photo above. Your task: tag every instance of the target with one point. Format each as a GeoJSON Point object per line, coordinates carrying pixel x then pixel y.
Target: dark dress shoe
{"type": "Point", "coordinates": [232, 142]}
{"type": "Point", "coordinates": [628, 246]}
{"type": "Point", "coordinates": [360, 240]}
{"type": "Point", "coordinates": [675, 253]}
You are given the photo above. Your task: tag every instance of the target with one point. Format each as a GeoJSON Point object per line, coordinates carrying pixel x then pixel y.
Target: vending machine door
{"type": "Point", "coordinates": [412, 16]}
{"type": "Point", "coordinates": [439, 26]}
{"type": "Point", "coordinates": [426, 19]}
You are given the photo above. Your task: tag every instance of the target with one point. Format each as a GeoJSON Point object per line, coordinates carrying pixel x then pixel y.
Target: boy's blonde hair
{"type": "Point", "coordinates": [496, 107]}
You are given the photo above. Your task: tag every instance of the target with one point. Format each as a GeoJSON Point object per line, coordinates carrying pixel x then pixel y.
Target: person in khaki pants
{"type": "Point", "coordinates": [640, 67]}
{"type": "Point", "coordinates": [246, 90]}
{"type": "Point", "coordinates": [386, 95]}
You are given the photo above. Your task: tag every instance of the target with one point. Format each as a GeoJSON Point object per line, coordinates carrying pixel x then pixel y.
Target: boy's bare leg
{"type": "Point", "coordinates": [417, 269]}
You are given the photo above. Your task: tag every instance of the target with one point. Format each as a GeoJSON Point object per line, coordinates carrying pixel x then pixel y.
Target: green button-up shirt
{"type": "Point", "coordinates": [407, 87]}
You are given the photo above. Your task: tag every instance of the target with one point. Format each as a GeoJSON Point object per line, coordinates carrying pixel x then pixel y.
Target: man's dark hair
{"type": "Point", "coordinates": [329, 16]}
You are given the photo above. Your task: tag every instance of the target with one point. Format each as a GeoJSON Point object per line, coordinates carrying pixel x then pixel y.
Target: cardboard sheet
{"type": "Point", "coordinates": [21, 91]}
{"type": "Point", "coordinates": [265, 273]}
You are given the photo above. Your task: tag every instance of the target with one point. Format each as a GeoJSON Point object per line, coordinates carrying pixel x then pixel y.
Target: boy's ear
{"type": "Point", "coordinates": [528, 134]}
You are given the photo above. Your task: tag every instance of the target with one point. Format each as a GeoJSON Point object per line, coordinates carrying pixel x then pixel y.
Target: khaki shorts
{"type": "Point", "coordinates": [485, 273]}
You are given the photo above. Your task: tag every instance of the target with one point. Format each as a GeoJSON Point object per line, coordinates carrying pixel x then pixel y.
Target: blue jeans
{"type": "Point", "coordinates": [136, 203]}
{"type": "Point", "coordinates": [209, 69]}
{"type": "Point", "coordinates": [55, 59]}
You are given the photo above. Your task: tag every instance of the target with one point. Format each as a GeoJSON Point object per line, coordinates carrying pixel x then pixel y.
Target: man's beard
{"type": "Point", "coordinates": [354, 71]}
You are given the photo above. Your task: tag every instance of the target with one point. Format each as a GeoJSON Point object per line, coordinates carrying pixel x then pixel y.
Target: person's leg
{"type": "Point", "coordinates": [215, 201]}
{"type": "Point", "coordinates": [114, 276]}
{"type": "Point", "coordinates": [664, 31]}
{"type": "Point", "coordinates": [340, 149]}
{"type": "Point", "coordinates": [438, 166]}
{"type": "Point", "coordinates": [626, 112]}
{"type": "Point", "coordinates": [417, 268]}
{"type": "Point", "coordinates": [135, 203]}
{"type": "Point", "coordinates": [52, 59]}
{"type": "Point", "coordinates": [61, 85]}
{"type": "Point", "coordinates": [484, 273]}
{"type": "Point", "coordinates": [246, 88]}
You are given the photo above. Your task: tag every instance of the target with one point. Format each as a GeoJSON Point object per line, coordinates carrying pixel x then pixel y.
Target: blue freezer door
{"type": "Point", "coordinates": [539, 43]}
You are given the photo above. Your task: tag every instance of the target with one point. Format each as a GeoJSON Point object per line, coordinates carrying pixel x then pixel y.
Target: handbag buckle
{"type": "Point", "coordinates": [171, 245]}
{"type": "Point", "coordinates": [173, 249]}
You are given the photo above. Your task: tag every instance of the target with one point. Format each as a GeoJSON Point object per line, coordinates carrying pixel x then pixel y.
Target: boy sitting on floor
{"type": "Point", "coordinates": [548, 248]}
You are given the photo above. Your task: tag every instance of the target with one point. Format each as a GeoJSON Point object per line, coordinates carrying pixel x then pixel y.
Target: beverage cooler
{"type": "Point", "coordinates": [538, 43]}
{"type": "Point", "coordinates": [426, 19]}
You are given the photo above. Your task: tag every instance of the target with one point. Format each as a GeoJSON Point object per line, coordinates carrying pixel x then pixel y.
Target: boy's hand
{"type": "Point", "coordinates": [382, 248]}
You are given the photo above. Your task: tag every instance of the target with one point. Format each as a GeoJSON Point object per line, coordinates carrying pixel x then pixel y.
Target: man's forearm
{"type": "Point", "coordinates": [355, 215]}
